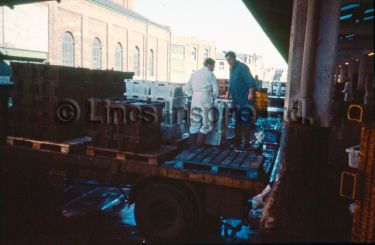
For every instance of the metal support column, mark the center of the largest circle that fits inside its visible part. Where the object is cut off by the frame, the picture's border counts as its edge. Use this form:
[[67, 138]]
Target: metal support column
[[305, 99], [296, 45], [362, 72]]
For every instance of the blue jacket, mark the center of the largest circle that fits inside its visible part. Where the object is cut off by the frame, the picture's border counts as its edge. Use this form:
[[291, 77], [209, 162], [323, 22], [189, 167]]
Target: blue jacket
[[240, 81]]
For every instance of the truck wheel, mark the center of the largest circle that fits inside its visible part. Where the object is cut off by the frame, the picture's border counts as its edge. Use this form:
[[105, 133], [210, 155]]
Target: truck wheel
[[164, 214]]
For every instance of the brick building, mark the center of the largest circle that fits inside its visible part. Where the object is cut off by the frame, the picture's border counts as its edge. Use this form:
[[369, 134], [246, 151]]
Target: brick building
[[188, 55], [98, 34]]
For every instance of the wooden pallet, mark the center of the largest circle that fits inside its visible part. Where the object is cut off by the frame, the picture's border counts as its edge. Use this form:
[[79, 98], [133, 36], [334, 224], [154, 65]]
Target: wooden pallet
[[155, 157], [72, 146], [222, 161]]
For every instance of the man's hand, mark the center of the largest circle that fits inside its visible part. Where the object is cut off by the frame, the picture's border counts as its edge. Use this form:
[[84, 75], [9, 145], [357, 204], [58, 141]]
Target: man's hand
[[250, 97], [227, 96]]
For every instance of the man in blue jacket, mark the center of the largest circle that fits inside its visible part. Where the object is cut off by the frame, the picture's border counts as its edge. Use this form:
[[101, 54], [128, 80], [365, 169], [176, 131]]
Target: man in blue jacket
[[242, 92]]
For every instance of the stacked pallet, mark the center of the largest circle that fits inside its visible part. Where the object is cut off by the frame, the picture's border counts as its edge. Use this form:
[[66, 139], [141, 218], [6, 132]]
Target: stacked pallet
[[125, 125], [363, 229], [50, 102], [107, 83]]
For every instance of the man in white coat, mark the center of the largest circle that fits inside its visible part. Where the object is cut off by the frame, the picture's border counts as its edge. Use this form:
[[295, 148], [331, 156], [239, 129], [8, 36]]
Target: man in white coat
[[203, 88]]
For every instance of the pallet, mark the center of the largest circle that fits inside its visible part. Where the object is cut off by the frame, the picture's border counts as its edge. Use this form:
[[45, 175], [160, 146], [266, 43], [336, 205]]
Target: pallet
[[155, 157], [221, 161], [67, 147]]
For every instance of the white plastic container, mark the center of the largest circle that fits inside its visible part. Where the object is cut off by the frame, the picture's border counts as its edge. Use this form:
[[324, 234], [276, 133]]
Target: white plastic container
[[165, 90], [353, 153], [138, 88]]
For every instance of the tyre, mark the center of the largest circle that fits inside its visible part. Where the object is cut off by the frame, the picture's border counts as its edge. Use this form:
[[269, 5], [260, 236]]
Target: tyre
[[164, 214]]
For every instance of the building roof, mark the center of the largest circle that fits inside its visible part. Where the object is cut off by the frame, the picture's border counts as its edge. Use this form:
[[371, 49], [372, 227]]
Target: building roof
[[121, 9], [275, 18], [356, 33]]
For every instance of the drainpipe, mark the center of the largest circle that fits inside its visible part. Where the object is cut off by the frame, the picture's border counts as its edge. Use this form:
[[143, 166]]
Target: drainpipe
[[305, 92]]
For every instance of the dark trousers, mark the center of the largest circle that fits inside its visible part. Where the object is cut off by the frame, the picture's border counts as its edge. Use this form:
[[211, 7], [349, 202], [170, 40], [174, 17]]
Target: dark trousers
[[244, 124], [242, 133]]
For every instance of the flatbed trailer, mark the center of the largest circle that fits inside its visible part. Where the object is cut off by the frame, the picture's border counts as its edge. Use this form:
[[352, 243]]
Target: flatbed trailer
[[170, 198]]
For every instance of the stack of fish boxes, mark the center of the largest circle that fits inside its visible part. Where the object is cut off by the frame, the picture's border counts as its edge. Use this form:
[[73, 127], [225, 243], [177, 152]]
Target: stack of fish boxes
[[175, 110]]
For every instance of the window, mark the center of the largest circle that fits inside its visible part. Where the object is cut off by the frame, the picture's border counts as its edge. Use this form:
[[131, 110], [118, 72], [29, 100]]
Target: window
[[96, 54], [136, 62], [118, 57], [194, 53], [221, 65], [178, 52], [151, 62], [68, 50], [206, 54]]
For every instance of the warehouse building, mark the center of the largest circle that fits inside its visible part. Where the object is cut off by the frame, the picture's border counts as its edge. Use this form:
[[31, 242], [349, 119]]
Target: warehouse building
[[98, 34]]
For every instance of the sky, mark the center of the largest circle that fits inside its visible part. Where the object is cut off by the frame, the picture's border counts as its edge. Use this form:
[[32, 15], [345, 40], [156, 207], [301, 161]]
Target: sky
[[227, 22]]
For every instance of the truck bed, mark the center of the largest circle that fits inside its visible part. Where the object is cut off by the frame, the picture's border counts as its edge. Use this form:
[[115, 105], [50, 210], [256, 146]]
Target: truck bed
[[109, 170]]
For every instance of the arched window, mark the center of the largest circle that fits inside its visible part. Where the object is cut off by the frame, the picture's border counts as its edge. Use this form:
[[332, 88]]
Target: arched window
[[150, 59], [206, 54], [136, 61], [96, 54], [194, 53], [68, 50], [118, 57]]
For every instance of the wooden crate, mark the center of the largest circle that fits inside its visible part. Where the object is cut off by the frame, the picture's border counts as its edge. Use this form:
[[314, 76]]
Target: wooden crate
[[363, 229]]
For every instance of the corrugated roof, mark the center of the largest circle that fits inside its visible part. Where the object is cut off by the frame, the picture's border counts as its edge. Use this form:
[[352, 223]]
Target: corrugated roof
[[121, 9], [275, 18]]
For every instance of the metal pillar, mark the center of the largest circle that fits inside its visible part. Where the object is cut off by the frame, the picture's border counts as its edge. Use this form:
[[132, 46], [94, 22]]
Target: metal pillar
[[325, 60], [352, 70], [337, 74], [343, 73], [308, 60], [306, 148], [362, 72], [296, 45]]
